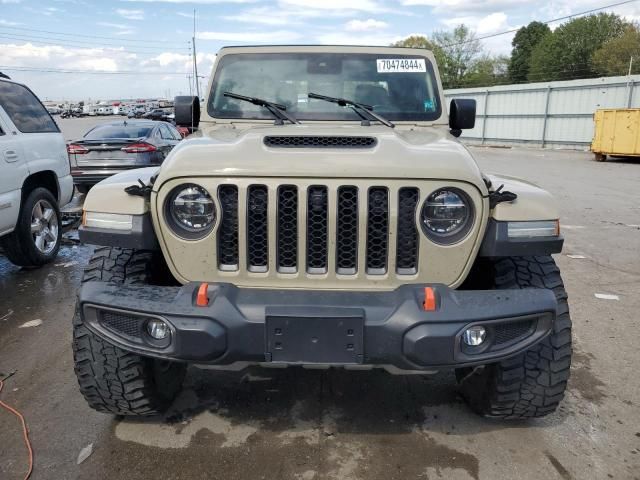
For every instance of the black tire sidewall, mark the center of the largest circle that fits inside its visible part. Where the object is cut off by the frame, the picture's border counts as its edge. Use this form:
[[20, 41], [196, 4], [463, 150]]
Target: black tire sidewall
[[32, 255]]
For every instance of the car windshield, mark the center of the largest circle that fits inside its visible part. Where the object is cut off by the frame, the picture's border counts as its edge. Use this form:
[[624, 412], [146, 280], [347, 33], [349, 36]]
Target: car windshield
[[399, 87], [120, 131]]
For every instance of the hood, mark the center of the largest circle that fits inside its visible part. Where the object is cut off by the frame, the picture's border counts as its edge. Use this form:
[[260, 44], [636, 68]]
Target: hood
[[227, 151]]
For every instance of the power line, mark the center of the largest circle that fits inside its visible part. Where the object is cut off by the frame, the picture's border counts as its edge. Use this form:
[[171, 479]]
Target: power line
[[88, 36], [79, 47], [559, 19], [83, 44], [10, 68]]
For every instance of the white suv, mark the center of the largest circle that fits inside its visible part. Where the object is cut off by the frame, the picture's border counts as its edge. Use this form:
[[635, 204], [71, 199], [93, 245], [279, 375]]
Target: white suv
[[35, 177]]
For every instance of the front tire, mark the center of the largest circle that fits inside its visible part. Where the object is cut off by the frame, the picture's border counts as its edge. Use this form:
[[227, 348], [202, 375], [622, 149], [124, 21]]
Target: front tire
[[113, 380], [532, 384], [38, 233]]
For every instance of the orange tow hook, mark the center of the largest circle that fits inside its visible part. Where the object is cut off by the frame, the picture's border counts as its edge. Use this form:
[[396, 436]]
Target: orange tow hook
[[202, 300], [429, 303]]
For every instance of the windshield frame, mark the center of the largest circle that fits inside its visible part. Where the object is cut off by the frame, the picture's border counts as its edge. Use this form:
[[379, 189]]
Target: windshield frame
[[436, 117]]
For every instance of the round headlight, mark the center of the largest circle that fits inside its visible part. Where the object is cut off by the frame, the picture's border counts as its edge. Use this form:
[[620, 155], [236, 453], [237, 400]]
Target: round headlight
[[191, 211], [447, 215]]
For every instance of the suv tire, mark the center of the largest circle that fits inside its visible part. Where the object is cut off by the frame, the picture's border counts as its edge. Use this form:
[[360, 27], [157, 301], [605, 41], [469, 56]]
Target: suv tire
[[531, 384], [113, 380], [28, 248]]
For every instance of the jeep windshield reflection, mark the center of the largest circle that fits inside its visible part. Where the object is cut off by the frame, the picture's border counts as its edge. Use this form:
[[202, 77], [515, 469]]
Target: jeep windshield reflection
[[400, 88]]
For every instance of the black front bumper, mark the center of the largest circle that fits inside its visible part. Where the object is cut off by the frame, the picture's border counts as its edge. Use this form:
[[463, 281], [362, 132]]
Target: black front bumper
[[320, 327]]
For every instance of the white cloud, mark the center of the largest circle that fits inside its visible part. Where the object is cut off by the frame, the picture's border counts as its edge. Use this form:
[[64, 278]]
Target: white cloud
[[466, 6], [130, 14], [3, 2], [359, 5], [7, 23], [117, 28], [264, 16], [48, 11], [340, 38], [278, 36], [364, 25], [492, 23], [157, 74], [200, 2]]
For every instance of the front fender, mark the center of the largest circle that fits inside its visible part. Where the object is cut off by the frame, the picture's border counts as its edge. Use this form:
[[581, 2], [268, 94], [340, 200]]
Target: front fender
[[109, 196], [533, 203]]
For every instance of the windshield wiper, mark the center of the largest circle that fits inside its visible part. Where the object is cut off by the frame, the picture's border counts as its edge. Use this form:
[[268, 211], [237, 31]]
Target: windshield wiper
[[365, 112], [277, 110]]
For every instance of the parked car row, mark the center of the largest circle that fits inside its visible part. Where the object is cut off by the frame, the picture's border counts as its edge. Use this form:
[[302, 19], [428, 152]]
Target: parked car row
[[38, 171]]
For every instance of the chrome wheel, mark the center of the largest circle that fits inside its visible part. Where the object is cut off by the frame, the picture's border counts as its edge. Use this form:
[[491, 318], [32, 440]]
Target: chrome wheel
[[44, 227]]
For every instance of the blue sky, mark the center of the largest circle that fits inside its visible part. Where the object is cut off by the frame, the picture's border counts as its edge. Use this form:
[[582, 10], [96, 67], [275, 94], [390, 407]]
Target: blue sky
[[144, 43]]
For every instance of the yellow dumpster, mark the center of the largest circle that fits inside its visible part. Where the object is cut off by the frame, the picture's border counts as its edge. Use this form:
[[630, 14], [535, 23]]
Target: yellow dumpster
[[617, 132]]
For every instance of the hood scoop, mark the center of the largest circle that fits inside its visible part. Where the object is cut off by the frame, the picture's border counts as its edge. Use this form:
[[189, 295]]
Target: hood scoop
[[315, 141]]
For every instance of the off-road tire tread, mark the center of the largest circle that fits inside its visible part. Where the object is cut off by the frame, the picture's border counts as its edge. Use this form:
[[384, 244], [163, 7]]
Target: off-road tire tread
[[531, 384], [113, 380]]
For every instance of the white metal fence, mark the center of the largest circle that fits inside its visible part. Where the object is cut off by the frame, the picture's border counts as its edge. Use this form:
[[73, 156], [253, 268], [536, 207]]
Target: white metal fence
[[556, 114]]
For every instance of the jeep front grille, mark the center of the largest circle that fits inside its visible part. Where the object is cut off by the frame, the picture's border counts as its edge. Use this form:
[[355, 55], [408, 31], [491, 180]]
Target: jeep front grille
[[228, 232], [257, 229], [368, 221], [347, 231], [287, 234], [408, 240]]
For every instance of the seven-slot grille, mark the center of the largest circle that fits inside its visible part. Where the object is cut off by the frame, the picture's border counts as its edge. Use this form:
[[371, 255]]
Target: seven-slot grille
[[301, 238]]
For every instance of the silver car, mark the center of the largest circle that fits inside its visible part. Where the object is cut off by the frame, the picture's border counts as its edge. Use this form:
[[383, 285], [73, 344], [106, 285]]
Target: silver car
[[111, 148]]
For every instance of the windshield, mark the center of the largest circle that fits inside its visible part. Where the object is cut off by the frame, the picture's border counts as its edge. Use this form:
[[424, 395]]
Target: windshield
[[400, 88], [111, 131]]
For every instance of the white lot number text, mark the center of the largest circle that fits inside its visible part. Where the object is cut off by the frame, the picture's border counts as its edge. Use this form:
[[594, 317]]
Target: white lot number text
[[392, 65]]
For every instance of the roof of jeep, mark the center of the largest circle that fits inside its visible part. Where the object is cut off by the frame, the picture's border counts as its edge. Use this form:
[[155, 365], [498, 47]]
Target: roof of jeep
[[312, 45], [324, 48]]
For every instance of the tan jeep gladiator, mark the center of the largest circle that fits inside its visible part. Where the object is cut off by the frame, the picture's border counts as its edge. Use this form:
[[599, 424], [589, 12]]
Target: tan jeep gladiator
[[323, 214]]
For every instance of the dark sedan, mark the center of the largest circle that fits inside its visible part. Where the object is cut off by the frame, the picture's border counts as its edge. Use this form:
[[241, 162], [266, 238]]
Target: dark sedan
[[111, 148], [157, 114]]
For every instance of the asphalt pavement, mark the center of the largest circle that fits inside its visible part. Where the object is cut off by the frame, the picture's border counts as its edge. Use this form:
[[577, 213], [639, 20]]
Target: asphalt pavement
[[311, 425]]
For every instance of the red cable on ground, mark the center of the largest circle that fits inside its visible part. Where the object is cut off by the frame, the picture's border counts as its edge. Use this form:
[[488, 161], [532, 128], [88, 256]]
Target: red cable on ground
[[25, 431]]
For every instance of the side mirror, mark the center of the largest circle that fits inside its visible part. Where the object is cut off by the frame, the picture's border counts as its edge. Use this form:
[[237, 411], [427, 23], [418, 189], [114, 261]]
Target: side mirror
[[462, 115], [187, 111]]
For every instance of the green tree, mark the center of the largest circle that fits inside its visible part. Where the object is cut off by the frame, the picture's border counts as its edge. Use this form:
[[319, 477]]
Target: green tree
[[566, 53], [525, 40], [614, 56], [419, 41], [487, 71], [415, 41], [456, 52], [460, 50]]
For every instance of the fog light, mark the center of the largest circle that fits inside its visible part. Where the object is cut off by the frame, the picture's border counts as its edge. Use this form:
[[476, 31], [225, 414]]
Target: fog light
[[474, 336], [157, 329]]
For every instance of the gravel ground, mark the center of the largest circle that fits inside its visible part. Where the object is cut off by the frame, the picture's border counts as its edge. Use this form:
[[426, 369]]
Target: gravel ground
[[301, 424]]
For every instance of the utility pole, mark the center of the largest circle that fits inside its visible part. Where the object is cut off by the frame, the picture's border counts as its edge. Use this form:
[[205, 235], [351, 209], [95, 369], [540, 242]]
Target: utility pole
[[195, 63]]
